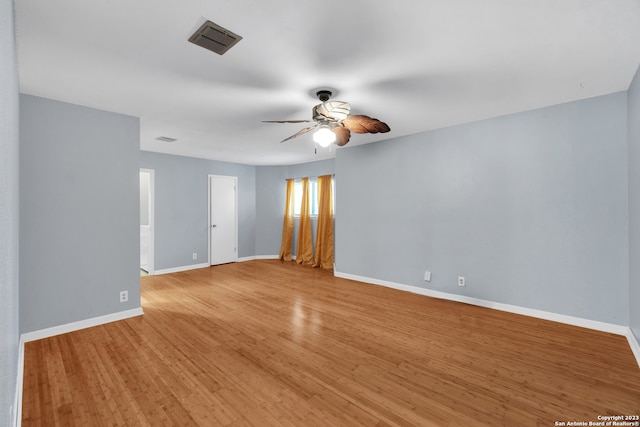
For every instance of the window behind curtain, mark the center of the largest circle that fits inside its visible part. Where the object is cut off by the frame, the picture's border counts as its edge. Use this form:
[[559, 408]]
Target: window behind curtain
[[313, 193]]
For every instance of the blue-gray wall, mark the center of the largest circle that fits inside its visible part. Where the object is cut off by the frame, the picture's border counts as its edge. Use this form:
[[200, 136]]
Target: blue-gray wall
[[270, 200], [9, 222], [79, 212], [531, 208], [180, 214], [633, 96], [181, 188]]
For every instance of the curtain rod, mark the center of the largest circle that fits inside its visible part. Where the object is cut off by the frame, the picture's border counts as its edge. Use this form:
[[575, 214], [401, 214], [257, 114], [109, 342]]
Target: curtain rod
[[312, 176]]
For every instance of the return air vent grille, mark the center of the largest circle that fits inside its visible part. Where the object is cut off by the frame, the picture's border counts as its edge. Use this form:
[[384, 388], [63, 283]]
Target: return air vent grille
[[214, 38]]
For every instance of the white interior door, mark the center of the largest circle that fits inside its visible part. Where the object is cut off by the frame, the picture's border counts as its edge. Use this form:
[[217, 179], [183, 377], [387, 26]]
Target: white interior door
[[223, 219]]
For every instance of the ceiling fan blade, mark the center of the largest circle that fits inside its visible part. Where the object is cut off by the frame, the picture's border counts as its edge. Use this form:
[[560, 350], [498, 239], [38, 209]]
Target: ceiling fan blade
[[300, 132], [286, 121], [332, 110], [342, 135], [365, 124]]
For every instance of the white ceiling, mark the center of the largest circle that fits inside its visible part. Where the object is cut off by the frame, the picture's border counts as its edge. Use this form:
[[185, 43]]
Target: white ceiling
[[416, 65]]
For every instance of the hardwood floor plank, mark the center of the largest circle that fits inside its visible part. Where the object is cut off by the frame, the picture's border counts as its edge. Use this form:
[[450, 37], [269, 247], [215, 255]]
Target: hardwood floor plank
[[264, 343]]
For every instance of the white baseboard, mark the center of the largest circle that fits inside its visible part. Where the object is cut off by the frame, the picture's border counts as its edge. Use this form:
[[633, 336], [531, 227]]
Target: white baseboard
[[205, 265], [17, 403], [555, 317], [253, 258], [634, 344], [82, 324], [179, 269], [57, 330]]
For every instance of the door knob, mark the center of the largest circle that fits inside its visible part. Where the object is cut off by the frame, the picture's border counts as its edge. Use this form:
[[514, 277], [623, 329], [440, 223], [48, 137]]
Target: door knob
[[213, 226]]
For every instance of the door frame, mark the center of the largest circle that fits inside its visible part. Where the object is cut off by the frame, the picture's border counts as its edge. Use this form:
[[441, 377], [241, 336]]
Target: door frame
[[235, 182], [152, 228]]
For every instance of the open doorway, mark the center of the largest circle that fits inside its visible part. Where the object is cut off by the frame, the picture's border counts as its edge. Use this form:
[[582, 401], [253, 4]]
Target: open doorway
[[146, 221]]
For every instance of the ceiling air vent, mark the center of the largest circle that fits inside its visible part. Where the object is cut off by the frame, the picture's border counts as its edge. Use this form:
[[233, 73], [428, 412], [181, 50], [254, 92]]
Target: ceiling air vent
[[165, 139], [215, 38]]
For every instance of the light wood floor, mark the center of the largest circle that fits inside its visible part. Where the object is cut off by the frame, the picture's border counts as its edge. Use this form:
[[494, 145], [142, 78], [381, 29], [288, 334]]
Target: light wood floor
[[263, 343]]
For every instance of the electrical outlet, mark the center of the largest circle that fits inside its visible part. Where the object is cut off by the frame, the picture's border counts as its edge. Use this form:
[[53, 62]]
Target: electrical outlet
[[461, 281], [194, 256], [124, 296], [427, 276]]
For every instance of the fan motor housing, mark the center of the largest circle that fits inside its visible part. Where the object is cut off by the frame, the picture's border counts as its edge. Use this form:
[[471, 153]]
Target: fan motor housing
[[323, 95]]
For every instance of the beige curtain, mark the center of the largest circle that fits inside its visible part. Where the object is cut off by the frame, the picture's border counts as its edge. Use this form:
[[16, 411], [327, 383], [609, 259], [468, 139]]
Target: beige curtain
[[304, 251], [324, 233], [287, 227]]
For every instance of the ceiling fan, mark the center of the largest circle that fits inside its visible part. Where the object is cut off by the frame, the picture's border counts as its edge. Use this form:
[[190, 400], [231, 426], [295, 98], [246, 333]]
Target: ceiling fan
[[333, 123]]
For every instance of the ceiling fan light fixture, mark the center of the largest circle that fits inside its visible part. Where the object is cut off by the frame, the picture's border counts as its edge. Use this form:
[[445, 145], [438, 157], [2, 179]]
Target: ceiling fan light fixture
[[324, 136]]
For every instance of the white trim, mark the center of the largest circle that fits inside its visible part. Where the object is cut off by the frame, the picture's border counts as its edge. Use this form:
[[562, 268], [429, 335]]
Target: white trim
[[255, 257], [634, 344], [17, 405], [183, 268], [555, 317], [82, 324], [251, 258]]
